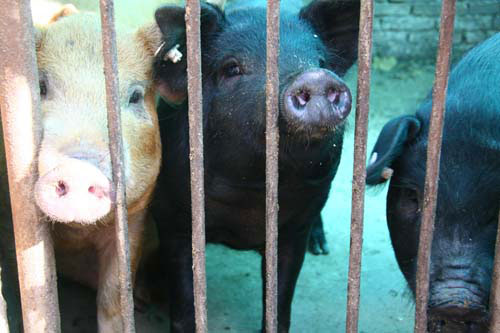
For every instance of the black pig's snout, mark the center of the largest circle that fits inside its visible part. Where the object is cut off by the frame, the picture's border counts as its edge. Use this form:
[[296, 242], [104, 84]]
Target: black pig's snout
[[453, 317], [317, 98], [457, 306]]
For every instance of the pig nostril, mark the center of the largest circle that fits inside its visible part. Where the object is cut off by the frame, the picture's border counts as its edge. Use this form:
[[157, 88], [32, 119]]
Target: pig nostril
[[61, 188], [301, 98], [333, 96], [97, 191]]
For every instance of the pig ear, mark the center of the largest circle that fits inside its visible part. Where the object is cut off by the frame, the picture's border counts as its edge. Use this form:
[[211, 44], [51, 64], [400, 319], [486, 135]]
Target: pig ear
[[218, 3], [170, 73], [150, 36], [65, 10], [389, 146], [337, 24]]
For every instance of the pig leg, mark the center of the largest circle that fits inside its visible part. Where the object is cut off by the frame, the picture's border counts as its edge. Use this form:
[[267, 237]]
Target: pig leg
[[291, 252], [317, 239], [180, 277], [108, 292]]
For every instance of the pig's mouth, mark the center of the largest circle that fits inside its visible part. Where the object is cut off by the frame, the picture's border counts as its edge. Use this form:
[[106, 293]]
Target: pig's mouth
[[457, 306], [306, 132], [458, 316], [438, 325], [74, 191]]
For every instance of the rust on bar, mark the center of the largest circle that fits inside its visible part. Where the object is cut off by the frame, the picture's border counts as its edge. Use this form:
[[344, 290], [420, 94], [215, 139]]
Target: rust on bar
[[272, 142], [432, 163], [20, 108], [196, 162], [495, 288], [359, 171], [116, 150]]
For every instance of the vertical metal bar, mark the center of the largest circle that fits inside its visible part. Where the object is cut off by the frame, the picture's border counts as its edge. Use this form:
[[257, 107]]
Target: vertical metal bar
[[432, 167], [272, 142], [20, 108], [495, 288], [359, 171], [196, 162], [116, 150]]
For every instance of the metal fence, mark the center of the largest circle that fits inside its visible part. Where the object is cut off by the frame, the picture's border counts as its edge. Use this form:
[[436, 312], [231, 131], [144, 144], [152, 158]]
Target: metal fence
[[19, 103]]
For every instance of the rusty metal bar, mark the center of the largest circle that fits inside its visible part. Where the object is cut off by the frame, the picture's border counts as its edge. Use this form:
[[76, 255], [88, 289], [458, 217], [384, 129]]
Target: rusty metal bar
[[196, 162], [20, 107], [495, 288], [432, 164], [117, 164], [359, 171], [272, 142]]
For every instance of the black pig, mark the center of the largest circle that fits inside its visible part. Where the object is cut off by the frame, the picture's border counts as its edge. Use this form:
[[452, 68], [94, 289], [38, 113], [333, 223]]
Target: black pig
[[318, 45], [468, 197]]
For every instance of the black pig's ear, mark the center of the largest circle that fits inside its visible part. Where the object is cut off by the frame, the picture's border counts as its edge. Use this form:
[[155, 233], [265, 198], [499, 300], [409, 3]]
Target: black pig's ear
[[337, 23], [170, 76], [389, 146]]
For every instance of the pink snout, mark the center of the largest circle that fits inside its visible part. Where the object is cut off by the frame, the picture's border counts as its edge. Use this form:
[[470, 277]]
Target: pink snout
[[74, 191]]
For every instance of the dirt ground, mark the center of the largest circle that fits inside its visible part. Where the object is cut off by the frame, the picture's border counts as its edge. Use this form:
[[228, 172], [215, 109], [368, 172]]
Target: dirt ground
[[233, 278]]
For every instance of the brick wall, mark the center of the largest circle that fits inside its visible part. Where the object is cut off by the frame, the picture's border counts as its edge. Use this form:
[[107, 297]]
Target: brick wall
[[408, 29]]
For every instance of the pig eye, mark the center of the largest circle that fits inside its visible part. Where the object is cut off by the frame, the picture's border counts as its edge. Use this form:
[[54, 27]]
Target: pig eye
[[137, 96], [231, 69], [43, 88], [322, 62]]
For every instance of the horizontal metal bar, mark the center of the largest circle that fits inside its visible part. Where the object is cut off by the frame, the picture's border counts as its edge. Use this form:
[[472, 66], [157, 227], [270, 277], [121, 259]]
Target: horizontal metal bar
[[432, 167], [359, 171], [117, 164], [20, 107]]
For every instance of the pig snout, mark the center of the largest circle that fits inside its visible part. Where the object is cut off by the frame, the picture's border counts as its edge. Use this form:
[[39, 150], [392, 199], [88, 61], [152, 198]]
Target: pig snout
[[317, 98], [458, 306], [74, 191]]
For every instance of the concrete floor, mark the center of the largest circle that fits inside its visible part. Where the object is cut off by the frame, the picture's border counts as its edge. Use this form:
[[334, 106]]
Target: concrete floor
[[233, 277]]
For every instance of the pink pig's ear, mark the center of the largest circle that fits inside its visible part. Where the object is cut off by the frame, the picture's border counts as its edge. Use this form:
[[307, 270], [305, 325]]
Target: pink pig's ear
[[65, 10]]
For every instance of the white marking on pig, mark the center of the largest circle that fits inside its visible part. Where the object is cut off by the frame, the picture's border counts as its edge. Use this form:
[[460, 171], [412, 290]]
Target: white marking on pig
[[373, 158]]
